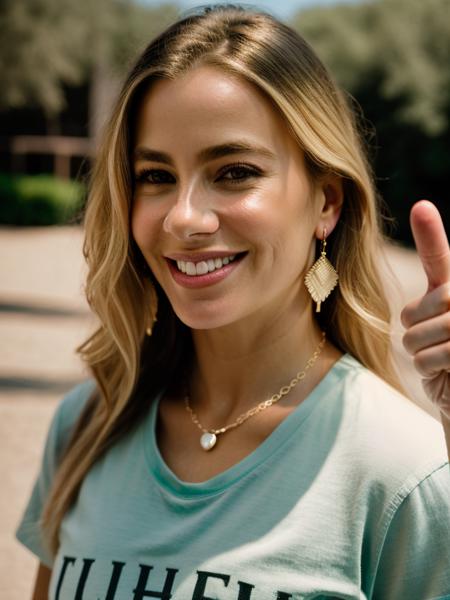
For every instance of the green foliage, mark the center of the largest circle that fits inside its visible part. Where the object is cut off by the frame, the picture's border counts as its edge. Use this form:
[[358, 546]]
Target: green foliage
[[136, 26], [39, 200], [45, 44], [402, 44], [393, 57], [42, 43]]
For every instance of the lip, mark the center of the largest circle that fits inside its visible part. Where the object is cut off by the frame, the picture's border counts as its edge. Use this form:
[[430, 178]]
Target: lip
[[196, 257], [198, 281]]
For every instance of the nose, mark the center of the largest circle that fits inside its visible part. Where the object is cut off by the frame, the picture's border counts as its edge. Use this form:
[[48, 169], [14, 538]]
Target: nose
[[191, 215]]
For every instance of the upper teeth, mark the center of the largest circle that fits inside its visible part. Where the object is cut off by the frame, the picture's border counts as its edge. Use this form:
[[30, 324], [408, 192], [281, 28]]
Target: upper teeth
[[204, 266]]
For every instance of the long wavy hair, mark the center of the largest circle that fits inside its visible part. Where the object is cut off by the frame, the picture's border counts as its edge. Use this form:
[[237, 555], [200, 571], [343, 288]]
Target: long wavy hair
[[129, 368]]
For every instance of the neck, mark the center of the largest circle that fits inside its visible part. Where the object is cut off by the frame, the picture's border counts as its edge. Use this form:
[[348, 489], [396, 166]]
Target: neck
[[240, 365]]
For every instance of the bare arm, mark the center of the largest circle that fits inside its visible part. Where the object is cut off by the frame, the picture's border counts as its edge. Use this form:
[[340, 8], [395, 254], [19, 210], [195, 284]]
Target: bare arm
[[42, 583]]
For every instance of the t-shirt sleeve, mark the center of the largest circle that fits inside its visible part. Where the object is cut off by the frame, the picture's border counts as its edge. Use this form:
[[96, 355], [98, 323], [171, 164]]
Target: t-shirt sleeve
[[415, 559], [29, 531]]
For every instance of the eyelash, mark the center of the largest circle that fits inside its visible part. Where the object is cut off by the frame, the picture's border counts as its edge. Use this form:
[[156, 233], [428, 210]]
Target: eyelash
[[247, 169], [142, 176]]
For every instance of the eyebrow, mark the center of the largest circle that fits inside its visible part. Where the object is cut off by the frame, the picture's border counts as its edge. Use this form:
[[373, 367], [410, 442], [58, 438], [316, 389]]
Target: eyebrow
[[210, 153]]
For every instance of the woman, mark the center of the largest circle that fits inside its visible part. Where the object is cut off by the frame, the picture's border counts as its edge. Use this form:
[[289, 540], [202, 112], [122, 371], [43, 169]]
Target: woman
[[242, 437]]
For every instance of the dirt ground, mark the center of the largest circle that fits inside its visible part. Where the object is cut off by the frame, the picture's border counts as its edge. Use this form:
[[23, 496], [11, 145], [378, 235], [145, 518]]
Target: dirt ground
[[43, 317]]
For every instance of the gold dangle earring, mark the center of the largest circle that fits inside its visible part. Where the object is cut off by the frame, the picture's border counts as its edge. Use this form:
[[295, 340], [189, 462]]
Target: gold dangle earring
[[322, 278], [153, 310]]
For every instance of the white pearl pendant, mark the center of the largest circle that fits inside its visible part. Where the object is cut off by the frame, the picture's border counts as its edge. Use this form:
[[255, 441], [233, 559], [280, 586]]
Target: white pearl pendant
[[208, 441]]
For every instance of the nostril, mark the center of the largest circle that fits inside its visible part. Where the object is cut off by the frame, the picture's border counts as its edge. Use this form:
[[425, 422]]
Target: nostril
[[184, 222]]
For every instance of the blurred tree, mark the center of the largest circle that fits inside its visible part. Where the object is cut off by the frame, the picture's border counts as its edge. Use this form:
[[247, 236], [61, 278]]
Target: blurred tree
[[45, 44], [403, 44], [115, 42], [42, 44], [393, 57]]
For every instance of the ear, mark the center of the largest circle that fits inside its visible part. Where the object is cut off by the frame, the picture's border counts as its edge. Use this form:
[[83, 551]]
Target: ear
[[332, 198]]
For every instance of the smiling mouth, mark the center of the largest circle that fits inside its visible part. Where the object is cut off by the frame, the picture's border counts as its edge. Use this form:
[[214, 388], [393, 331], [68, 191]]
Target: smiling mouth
[[205, 266]]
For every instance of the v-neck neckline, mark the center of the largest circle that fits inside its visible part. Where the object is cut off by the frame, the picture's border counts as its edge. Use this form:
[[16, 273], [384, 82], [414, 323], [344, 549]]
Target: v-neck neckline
[[172, 484]]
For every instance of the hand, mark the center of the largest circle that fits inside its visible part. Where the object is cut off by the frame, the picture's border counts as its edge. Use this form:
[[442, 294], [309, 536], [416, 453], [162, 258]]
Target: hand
[[427, 319]]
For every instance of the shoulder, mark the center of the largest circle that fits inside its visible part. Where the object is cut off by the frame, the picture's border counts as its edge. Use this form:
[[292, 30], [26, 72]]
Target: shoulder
[[29, 531], [68, 411], [392, 456], [415, 534], [72, 404], [390, 432]]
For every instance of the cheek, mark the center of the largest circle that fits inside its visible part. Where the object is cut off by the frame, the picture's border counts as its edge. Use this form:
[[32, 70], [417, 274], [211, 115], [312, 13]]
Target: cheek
[[144, 225], [259, 216], [282, 220]]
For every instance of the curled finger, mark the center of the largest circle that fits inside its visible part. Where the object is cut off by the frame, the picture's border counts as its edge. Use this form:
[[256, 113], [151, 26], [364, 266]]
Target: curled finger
[[431, 361], [427, 333], [434, 303], [437, 389]]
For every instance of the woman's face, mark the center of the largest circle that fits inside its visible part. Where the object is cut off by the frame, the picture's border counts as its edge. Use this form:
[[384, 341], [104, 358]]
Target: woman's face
[[219, 176]]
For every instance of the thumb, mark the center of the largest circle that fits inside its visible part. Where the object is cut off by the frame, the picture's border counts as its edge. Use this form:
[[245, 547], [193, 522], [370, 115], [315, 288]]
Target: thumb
[[431, 242]]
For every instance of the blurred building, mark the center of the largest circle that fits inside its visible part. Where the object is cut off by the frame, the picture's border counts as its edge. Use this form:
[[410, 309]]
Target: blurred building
[[32, 142]]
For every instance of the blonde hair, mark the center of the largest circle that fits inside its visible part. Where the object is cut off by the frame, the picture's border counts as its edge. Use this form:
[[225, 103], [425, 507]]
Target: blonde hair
[[120, 288]]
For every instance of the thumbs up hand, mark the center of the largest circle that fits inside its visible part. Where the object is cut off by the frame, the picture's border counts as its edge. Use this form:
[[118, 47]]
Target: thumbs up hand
[[427, 319]]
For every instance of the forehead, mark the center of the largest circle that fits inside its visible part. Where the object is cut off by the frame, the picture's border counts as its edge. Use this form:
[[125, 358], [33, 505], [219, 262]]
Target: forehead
[[205, 104]]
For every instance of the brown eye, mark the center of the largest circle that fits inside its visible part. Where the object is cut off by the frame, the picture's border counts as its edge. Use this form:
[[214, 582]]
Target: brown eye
[[154, 177], [239, 173]]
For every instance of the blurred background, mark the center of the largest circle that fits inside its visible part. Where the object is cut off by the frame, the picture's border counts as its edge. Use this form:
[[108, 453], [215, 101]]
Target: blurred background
[[62, 63]]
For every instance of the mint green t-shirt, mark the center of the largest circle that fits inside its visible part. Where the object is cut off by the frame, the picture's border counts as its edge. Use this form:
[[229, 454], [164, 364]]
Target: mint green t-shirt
[[349, 498]]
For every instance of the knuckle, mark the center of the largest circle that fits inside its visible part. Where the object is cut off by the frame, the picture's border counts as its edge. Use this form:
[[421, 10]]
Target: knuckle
[[407, 342], [444, 298], [405, 316], [446, 325], [419, 363]]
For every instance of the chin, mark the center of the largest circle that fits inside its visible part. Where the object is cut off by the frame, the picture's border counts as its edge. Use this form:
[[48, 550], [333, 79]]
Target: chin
[[202, 318], [202, 322]]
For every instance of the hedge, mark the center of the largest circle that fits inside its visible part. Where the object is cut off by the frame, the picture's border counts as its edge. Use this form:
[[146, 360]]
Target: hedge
[[39, 200]]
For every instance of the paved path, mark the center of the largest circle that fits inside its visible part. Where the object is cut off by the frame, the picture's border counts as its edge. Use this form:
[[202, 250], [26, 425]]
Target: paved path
[[43, 317]]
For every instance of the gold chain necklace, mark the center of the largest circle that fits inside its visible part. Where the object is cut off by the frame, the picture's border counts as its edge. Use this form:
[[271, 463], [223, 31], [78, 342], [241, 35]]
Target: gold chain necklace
[[209, 437]]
